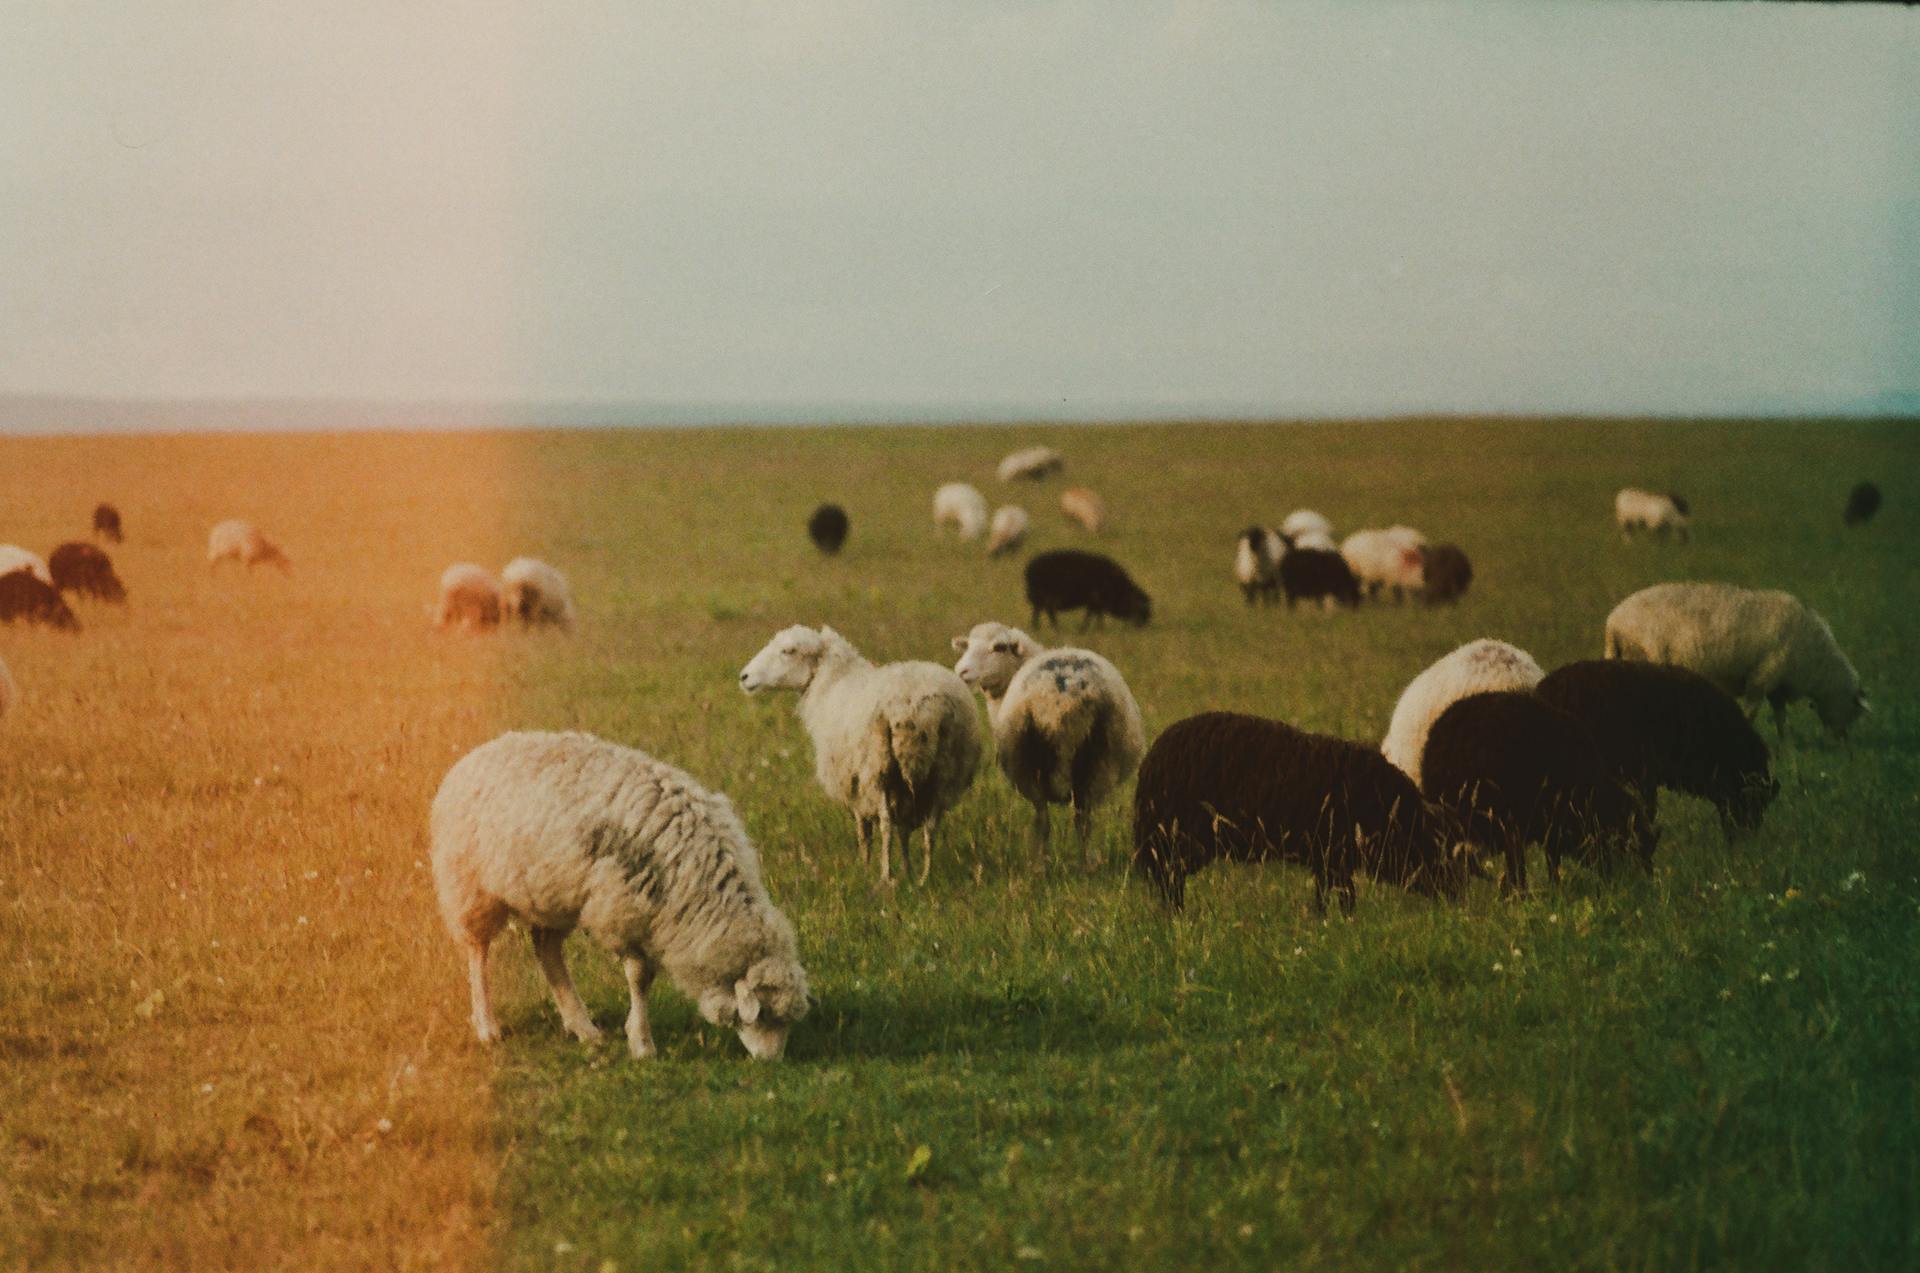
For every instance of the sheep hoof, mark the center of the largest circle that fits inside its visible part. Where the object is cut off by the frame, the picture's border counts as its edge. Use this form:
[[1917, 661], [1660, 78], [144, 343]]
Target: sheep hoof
[[642, 1051], [585, 1031], [486, 1032]]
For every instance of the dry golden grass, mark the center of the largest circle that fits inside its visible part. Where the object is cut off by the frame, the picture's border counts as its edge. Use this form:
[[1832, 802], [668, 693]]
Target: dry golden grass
[[227, 1039]]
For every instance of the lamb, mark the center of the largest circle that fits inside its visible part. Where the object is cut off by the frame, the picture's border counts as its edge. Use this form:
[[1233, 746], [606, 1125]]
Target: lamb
[[1033, 463], [1445, 571], [1386, 559], [1084, 508], [1516, 770], [1862, 503], [106, 522], [1474, 668], [1069, 579], [1225, 785], [25, 596], [560, 830], [1662, 515], [534, 593], [1668, 727], [962, 507], [1318, 574], [1302, 523], [1009, 530], [13, 557], [897, 745], [1066, 728], [240, 541], [1256, 563], [469, 598], [8, 693], [1754, 645], [82, 568], [827, 528]]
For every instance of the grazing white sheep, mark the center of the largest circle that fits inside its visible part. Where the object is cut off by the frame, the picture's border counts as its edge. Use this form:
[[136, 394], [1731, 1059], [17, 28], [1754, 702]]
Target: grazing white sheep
[[1085, 508], [13, 557], [563, 830], [534, 592], [1387, 559], [8, 692], [1319, 540], [240, 541], [1304, 521], [1752, 644], [1034, 462], [1256, 563], [1478, 667], [897, 744], [962, 507], [1065, 725], [1009, 529], [469, 598], [1662, 515]]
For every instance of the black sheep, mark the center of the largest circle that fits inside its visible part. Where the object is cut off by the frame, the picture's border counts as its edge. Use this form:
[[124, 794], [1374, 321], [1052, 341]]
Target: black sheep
[[1447, 572], [82, 568], [828, 528], [1515, 770], [1680, 502], [1862, 504], [1070, 579], [1314, 573], [1669, 727], [25, 597], [106, 522], [1224, 785]]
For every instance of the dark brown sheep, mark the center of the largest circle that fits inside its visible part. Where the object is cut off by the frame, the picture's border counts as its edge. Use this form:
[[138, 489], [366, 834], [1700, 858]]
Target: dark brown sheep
[[106, 522], [82, 568], [1447, 572], [1069, 579], [23, 596]]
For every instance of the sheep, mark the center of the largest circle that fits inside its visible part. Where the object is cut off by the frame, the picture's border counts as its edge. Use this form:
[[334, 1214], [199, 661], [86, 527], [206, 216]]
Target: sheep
[[961, 506], [897, 745], [24, 596], [1225, 785], [1445, 572], [1315, 539], [1009, 529], [1668, 727], [240, 541], [106, 522], [1514, 769], [82, 568], [1033, 463], [8, 691], [1637, 510], [1305, 522], [1066, 728], [13, 557], [1256, 563], [560, 830], [1084, 508], [534, 593], [1385, 559], [1318, 574], [1862, 503], [827, 528], [469, 598], [1069, 579], [1754, 645], [1474, 668]]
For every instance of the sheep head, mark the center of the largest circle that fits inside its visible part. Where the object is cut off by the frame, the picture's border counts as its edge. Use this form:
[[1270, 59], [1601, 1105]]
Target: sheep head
[[990, 654], [761, 1006], [789, 661]]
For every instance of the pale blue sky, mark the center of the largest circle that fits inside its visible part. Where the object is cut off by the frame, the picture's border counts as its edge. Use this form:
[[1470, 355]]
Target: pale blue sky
[[1034, 208]]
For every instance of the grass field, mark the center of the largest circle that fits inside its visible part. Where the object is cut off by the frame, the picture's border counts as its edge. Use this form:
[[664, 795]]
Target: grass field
[[1024, 1062]]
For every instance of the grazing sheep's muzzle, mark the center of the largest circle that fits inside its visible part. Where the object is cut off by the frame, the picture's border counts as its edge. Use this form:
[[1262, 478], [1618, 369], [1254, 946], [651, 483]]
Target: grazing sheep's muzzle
[[764, 1043]]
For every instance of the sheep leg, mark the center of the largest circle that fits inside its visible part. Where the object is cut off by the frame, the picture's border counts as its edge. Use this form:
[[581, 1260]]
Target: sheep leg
[[862, 828], [639, 1033], [1083, 825], [485, 1028], [549, 946], [886, 847], [926, 850], [1778, 698]]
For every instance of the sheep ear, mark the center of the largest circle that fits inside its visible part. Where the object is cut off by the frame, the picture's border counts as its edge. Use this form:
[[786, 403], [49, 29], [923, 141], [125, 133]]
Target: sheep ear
[[717, 1006], [960, 644], [747, 1004]]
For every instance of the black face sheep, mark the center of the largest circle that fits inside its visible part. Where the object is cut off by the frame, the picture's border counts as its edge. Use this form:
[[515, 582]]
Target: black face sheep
[[1447, 572], [1517, 770], [28, 598], [1256, 563], [1223, 785], [1069, 579], [827, 528], [1318, 574], [1668, 727], [84, 569], [536, 594], [106, 522], [1862, 504]]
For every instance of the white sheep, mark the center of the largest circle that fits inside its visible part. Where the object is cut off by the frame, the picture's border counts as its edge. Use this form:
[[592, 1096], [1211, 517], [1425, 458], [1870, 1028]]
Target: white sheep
[[534, 592], [13, 557], [1034, 462], [8, 692], [563, 830], [241, 541], [896, 744], [1009, 529], [962, 507], [1065, 726], [1316, 539], [1256, 562], [1636, 510], [1478, 667], [469, 598], [1304, 521], [1084, 507], [1387, 559], [1752, 644]]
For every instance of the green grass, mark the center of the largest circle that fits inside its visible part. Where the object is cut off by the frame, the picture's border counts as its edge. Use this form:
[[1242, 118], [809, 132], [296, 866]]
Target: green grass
[[1026, 1062]]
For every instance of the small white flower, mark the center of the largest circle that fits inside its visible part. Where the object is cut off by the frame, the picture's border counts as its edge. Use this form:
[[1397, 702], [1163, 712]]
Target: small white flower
[[301, 920], [1554, 918], [1766, 979], [1499, 968], [384, 1125]]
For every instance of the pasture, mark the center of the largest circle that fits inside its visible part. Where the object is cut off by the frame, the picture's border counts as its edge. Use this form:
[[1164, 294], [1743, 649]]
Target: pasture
[[233, 1031]]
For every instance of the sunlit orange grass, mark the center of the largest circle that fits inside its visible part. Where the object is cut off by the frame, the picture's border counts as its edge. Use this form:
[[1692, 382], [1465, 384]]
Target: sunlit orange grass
[[231, 1033]]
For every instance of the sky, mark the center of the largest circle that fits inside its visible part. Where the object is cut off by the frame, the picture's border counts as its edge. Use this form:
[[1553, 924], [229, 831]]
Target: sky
[[833, 209]]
